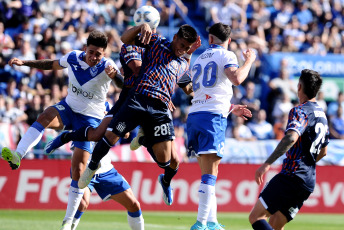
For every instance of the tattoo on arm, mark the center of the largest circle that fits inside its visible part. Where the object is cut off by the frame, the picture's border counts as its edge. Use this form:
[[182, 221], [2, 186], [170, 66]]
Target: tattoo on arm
[[45, 64], [285, 144]]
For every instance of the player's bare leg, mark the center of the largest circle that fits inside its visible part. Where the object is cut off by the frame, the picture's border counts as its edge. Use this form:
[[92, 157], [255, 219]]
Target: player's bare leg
[[258, 217], [75, 194], [50, 118], [128, 200], [278, 221]]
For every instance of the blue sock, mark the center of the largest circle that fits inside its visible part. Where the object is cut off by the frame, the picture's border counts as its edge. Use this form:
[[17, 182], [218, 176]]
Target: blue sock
[[208, 179], [261, 225], [135, 214], [78, 214]]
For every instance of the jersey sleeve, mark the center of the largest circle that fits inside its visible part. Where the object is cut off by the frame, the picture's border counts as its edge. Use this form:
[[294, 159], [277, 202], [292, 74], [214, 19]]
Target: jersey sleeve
[[153, 40], [129, 53], [64, 60], [184, 80], [230, 60], [297, 121]]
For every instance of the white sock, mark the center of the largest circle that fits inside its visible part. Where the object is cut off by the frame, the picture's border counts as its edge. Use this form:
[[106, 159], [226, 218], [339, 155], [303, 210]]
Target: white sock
[[212, 217], [76, 219], [74, 197], [205, 194], [75, 223], [30, 139], [136, 222]]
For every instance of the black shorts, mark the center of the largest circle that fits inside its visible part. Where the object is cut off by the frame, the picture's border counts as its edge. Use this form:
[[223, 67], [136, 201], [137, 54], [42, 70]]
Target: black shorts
[[150, 113], [285, 194], [121, 100]]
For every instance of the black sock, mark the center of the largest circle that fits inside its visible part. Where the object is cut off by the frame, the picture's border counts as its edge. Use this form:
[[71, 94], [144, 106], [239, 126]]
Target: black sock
[[261, 225], [77, 135], [100, 150], [169, 174]]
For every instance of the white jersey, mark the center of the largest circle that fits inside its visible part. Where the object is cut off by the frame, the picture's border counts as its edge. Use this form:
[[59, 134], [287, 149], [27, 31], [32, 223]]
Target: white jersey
[[212, 89], [87, 86]]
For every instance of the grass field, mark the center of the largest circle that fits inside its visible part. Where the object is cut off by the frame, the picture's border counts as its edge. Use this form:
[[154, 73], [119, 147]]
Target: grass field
[[117, 220]]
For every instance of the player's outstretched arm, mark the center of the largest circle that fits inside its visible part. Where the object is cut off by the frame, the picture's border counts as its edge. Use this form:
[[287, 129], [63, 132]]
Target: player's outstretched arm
[[129, 36], [238, 75], [45, 64], [285, 144]]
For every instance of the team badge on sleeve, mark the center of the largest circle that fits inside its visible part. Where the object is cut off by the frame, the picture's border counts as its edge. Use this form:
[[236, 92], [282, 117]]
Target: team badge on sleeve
[[129, 48]]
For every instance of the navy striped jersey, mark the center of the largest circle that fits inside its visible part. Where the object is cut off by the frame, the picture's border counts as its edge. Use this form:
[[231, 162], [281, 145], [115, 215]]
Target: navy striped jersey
[[129, 53], [310, 122], [160, 70]]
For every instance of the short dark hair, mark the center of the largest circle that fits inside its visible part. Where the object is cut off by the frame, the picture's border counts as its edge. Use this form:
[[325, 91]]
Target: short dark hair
[[311, 82], [221, 31], [188, 33], [98, 39]]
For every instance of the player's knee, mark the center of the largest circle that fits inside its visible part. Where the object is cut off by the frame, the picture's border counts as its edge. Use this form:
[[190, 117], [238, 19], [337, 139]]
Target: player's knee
[[174, 162], [163, 164], [134, 206]]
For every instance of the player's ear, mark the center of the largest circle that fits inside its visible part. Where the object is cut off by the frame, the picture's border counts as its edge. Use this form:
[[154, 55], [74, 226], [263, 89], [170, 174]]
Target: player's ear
[[229, 41]]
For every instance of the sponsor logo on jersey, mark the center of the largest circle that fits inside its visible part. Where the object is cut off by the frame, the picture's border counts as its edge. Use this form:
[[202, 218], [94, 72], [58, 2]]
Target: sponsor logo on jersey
[[79, 91], [93, 71], [121, 126], [206, 55]]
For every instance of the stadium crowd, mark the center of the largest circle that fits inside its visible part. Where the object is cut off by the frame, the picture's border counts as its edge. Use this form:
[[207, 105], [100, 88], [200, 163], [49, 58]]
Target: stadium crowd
[[40, 29]]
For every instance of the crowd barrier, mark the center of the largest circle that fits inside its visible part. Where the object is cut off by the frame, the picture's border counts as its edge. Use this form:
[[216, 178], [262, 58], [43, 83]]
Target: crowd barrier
[[43, 184]]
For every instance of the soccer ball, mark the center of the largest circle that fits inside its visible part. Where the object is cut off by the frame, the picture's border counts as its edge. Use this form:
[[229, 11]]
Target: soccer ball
[[147, 14]]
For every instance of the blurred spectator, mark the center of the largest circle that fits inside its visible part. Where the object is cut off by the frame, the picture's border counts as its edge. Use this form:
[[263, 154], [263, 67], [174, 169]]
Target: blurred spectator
[[283, 84], [226, 11], [317, 48], [303, 14], [34, 109], [249, 99], [284, 15], [6, 42], [11, 90], [38, 19], [12, 114], [5, 70], [321, 101], [333, 106], [260, 128], [337, 124], [51, 10], [280, 125], [294, 30], [2, 106], [241, 132], [332, 39], [282, 106]]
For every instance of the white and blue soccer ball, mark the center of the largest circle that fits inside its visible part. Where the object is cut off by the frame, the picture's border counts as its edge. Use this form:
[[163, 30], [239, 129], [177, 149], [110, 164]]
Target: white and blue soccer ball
[[147, 14]]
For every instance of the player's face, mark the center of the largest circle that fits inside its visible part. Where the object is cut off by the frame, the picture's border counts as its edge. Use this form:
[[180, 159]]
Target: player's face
[[93, 55], [180, 46]]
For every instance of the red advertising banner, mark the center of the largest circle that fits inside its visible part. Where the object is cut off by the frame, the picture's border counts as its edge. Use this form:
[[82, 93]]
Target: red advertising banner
[[44, 184]]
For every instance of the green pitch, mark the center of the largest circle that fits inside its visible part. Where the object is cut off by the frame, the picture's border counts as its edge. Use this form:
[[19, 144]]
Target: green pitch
[[117, 220]]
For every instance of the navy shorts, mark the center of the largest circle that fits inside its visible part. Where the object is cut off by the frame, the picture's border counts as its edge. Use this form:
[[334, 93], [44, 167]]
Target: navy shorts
[[150, 113], [285, 194], [117, 106]]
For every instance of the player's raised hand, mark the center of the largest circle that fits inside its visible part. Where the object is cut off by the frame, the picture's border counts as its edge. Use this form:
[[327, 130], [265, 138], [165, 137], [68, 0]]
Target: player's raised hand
[[15, 61], [195, 46], [249, 55], [241, 111], [110, 71], [146, 33], [260, 173]]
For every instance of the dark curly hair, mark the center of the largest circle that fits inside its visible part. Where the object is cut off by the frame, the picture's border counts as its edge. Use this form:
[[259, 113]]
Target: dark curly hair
[[311, 82], [188, 33], [98, 39]]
